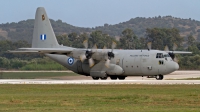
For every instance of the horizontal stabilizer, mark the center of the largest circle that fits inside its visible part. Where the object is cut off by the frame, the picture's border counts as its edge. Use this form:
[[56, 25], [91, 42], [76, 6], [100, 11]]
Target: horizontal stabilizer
[[48, 50], [43, 50]]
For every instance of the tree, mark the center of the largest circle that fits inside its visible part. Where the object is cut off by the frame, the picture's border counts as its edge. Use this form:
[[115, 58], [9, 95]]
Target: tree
[[191, 40], [100, 39], [129, 40], [64, 40], [160, 37]]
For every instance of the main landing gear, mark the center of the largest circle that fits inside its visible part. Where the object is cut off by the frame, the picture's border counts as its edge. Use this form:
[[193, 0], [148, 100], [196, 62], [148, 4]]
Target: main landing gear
[[158, 77], [114, 77], [97, 78]]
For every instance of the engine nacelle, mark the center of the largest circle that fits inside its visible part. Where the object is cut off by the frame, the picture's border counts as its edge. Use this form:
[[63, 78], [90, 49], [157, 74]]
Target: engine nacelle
[[114, 70]]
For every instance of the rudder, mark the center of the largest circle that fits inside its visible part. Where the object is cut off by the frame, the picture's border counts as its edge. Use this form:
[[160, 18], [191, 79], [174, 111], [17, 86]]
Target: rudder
[[43, 34]]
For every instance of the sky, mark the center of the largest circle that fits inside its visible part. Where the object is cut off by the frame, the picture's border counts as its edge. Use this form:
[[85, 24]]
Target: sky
[[92, 13]]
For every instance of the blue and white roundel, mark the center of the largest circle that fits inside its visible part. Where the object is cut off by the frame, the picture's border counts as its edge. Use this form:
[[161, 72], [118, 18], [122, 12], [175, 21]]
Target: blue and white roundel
[[70, 61]]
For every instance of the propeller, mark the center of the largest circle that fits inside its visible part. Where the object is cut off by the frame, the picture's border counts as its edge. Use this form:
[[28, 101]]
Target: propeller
[[149, 45], [110, 55], [88, 53], [171, 54]]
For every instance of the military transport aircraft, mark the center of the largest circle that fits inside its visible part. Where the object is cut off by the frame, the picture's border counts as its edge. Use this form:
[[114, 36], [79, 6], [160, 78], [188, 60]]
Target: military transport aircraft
[[99, 63]]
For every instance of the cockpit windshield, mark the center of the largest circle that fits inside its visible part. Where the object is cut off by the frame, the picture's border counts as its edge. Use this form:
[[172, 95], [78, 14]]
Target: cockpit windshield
[[159, 55], [166, 55]]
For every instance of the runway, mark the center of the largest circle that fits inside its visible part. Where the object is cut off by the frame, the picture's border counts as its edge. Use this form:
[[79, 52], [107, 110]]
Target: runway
[[47, 81], [168, 79]]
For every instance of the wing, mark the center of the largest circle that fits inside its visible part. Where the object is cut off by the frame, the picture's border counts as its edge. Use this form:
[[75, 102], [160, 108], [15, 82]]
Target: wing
[[179, 52]]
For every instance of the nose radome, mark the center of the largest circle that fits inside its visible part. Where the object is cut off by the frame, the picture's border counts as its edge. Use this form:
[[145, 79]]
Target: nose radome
[[176, 66]]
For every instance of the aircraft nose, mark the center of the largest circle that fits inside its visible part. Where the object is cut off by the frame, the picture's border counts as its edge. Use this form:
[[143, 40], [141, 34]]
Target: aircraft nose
[[176, 66]]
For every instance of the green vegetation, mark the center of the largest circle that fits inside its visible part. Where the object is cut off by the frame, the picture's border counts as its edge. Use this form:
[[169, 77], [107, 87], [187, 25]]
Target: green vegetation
[[100, 98], [33, 75], [32, 64]]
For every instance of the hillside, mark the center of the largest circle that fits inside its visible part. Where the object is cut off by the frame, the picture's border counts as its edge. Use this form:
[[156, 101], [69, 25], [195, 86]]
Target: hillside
[[23, 29]]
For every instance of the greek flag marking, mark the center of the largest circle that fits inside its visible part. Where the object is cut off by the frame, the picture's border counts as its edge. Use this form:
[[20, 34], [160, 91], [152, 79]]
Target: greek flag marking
[[43, 37]]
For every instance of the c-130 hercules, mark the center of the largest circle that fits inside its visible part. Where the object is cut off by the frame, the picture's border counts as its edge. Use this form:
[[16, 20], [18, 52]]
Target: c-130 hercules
[[99, 63]]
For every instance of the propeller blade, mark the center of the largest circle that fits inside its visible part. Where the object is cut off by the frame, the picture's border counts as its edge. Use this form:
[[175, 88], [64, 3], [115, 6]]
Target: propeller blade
[[104, 47], [174, 47], [82, 57], [104, 50], [166, 48], [94, 48], [85, 43], [91, 62], [149, 45], [107, 63], [176, 60], [113, 45]]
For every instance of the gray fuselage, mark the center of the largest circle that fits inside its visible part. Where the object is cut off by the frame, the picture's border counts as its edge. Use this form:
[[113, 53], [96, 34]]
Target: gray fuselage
[[133, 62]]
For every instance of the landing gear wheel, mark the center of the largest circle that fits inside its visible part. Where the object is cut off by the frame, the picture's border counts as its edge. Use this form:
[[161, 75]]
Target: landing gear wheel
[[95, 78], [103, 78], [121, 77], [113, 77], [159, 77]]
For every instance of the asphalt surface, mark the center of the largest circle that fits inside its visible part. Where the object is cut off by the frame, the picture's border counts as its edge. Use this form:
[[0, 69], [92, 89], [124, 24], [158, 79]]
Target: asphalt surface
[[49, 81], [168, 79], [174, 75]]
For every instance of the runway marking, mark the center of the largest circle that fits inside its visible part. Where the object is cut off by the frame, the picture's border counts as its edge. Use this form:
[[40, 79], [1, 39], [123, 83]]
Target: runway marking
[[46, 81]]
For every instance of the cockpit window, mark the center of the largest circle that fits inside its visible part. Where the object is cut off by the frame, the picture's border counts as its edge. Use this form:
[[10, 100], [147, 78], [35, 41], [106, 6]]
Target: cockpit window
[[159, 55], [166, 55]]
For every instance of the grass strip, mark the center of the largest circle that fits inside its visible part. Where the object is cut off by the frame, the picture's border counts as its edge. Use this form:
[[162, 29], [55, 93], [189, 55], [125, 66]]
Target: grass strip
[[100, 98], [33, 75]]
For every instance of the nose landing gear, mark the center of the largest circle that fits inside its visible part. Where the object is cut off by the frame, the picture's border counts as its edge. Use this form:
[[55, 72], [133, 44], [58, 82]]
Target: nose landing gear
[[159, 77]]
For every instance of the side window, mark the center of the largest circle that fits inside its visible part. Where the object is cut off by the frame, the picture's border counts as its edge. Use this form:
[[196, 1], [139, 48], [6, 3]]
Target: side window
[[159, 55], [161, 62]]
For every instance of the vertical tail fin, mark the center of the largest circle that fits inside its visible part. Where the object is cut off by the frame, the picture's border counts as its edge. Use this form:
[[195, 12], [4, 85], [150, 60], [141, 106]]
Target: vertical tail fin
[[43, 34]]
